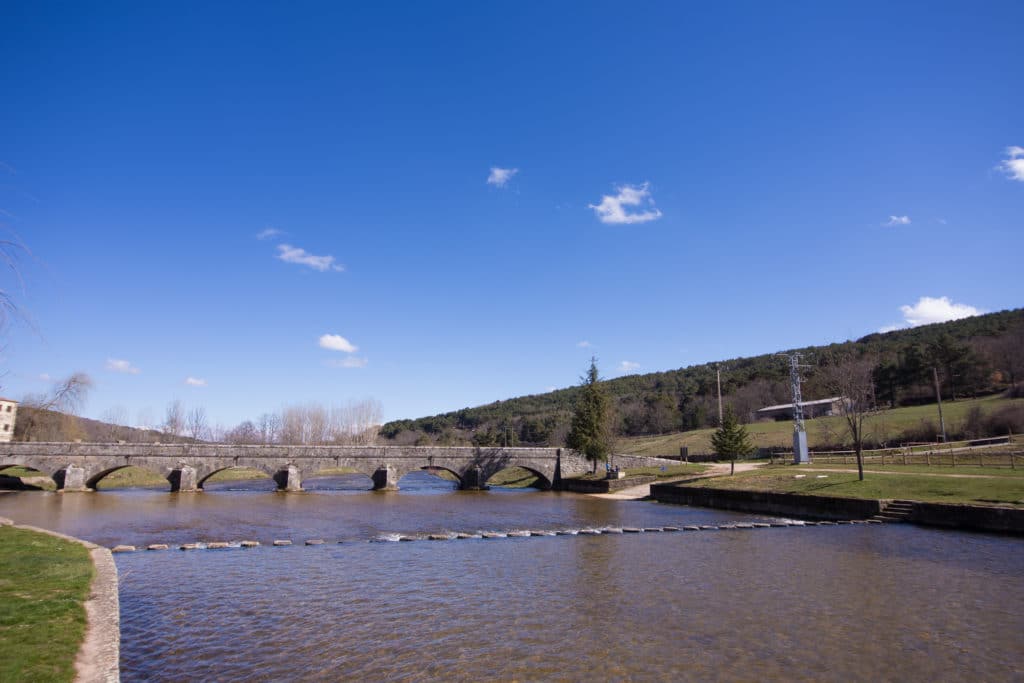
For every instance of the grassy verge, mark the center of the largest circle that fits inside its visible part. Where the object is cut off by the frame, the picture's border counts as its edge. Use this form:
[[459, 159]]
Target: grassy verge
[[43, 583], [928, 469], [885, 425], [1002, 490], [514, 478], [666, 473]]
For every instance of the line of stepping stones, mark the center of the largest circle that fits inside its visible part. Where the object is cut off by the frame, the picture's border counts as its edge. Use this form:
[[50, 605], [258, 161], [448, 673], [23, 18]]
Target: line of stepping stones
[[510, 534]]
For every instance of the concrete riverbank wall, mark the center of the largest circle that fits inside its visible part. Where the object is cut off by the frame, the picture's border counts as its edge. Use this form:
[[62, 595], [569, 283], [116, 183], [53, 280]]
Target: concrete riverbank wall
[[968, 517], [763, 502], [99, 656]]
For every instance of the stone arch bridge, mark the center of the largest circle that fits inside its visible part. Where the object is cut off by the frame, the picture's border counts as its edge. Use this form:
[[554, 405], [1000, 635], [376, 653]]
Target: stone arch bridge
[[79, 466]]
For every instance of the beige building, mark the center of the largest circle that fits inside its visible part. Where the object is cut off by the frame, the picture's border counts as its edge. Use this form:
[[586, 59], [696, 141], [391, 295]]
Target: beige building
[[8, 412]]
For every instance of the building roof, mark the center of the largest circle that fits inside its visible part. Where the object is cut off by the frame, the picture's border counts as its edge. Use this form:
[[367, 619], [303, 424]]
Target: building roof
[[8, 400], [820, 401]]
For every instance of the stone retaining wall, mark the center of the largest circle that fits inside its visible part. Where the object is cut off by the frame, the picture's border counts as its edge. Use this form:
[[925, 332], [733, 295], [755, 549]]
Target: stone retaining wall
[[99, 656], [976, 517], [785, 504], [605, 485], [627, 461]]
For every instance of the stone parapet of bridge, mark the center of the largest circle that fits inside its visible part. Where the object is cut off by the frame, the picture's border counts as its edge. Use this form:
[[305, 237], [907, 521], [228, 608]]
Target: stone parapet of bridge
[[80, 466]]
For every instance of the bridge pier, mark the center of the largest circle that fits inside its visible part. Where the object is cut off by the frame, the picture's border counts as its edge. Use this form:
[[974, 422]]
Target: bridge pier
[[288, 479], [184, 480], [71, 478], [384, 479], [473, 480]]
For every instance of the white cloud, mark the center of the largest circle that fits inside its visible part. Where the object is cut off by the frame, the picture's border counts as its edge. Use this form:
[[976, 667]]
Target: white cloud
[[1013, 165], [118, 365], [897, 220], [335, 342], [613, 209], [550, 389], [499, 177], [350, 362], [290, 254], [929, 310], [584, 344], [628, 366], [268, 233], [45, 377], [195, 381]]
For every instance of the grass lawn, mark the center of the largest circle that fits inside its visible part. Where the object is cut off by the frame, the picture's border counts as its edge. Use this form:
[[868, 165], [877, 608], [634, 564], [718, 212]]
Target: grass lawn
[[43, 582], [927, 469], [782, 479], [514, 478], [887, 424]]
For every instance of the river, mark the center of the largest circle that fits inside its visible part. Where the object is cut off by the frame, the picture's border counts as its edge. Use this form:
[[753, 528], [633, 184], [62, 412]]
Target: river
[[813, 603]]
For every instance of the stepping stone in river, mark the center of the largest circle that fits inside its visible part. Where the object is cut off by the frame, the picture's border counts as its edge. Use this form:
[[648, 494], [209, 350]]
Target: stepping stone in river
[[708, 527], [282, 542], [542, 533], [315, 541], [612, 530], [725, 526], [631, 530], [189, 546], [493, 534], [826, 523], [566, 532], [518, 534], [250, 544], [589, 532], [670, 528], [780, 524], [691, 528], [761, 525], [123, 549], [218, 545], [461, 535], [402, 538], [156, 546], [651, 529], [437, 537]]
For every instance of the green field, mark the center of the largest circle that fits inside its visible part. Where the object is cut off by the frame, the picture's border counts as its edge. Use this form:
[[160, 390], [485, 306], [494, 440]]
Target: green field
[[885, 425], [44, 581], [783, 479]]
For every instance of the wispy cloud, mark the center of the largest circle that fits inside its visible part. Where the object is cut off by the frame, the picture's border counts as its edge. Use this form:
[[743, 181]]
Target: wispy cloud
[[1013, 164], [930, 310], [195, 381], [335, 342], [350, 362], [628, 366], [120, 365], [290, 254], [584, 344], [499, 177], [612, 208], [269, 233], [897, 220]]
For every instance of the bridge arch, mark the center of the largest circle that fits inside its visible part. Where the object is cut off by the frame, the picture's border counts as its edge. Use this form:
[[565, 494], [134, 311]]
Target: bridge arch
[[437, 471], [518, 476], [259, 472], [93, 480]]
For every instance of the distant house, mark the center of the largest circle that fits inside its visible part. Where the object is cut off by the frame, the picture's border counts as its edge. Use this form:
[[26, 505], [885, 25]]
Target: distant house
[[8, 412], [819, 408]]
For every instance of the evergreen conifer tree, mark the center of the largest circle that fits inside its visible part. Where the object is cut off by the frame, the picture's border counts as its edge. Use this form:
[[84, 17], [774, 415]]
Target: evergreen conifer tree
[[590, 433], [731, 439]]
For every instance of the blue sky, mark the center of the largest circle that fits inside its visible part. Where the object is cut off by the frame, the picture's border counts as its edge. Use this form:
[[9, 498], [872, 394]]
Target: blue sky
[[676, 183]]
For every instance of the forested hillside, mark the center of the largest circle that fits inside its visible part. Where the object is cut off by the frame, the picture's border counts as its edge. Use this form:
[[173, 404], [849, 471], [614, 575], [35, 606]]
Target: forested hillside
[[974, 356]]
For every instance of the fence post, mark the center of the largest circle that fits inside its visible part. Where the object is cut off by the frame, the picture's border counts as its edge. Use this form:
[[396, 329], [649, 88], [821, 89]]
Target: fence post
[[928, 457]]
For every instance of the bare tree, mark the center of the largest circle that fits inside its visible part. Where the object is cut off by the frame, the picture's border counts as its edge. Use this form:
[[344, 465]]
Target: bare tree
[[851, 378], [244, 433], [53, 415], [270, 427], [116, 421], [196, 424], [174, 419]]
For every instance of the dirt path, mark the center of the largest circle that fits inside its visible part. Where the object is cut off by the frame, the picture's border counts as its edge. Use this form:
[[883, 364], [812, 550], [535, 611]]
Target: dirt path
[[644, 490]]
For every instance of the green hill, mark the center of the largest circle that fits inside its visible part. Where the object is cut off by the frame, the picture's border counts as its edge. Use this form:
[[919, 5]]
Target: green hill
[[977, 356]]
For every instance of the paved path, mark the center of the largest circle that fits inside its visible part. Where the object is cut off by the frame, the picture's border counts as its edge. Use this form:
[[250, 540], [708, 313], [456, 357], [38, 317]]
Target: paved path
[[644, 490], [804, 468]]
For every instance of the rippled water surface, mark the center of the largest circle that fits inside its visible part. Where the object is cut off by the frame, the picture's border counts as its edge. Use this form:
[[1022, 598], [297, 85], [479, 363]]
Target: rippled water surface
[[816, 603]]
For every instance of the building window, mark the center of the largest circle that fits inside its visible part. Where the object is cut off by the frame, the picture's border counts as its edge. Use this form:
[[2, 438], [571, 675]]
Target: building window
[[8, 409], [7, 428]]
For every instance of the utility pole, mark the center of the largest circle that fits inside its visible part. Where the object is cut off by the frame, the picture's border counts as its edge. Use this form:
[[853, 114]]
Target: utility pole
[[718, 374], [938, 398], [800, 455]]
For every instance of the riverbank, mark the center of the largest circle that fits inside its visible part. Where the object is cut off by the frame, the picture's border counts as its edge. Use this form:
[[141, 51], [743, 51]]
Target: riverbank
[[983, 503], [59, 614]]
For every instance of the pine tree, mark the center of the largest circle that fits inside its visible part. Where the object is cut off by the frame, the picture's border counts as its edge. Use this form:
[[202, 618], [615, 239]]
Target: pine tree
[[590, 433], [731, 439]]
